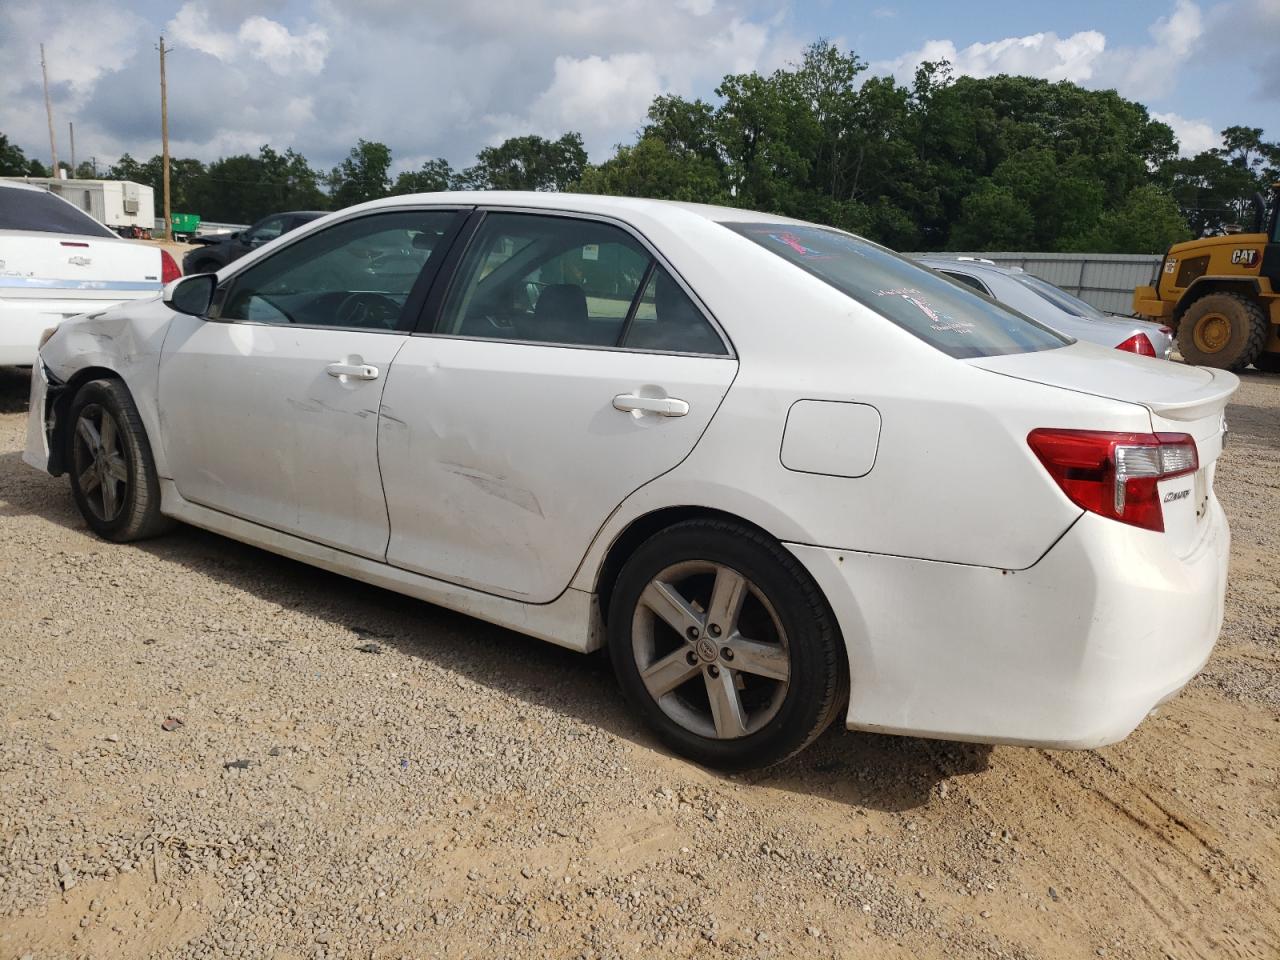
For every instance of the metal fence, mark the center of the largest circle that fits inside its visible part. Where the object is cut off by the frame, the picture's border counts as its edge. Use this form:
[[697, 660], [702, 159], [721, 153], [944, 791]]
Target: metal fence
[[1105, 280]]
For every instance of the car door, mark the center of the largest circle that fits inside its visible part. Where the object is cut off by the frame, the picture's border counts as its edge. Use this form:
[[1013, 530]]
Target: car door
[[565, 367], [270, 405]]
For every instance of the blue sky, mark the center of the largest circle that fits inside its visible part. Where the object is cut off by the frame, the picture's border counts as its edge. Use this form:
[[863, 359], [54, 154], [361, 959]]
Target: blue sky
[[445, 78]]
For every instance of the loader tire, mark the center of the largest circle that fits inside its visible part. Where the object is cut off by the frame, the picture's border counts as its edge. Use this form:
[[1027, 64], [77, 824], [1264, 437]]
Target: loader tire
[[1268, 362], [1223, 330]]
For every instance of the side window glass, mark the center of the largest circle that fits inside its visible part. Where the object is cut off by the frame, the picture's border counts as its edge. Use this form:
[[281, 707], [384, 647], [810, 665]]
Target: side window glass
[[666, 319], [546, 280], [354, 274]]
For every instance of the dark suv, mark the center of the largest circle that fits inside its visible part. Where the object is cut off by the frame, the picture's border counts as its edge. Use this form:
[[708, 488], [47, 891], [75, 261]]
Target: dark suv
[[217, 251]]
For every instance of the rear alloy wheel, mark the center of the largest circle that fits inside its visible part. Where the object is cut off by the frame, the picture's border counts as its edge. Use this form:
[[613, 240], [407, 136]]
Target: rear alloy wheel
[[1223, 330], [113, 476], [720, 638]]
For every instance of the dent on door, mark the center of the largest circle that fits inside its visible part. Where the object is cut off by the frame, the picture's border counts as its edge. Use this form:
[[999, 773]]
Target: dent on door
[[501, 461]]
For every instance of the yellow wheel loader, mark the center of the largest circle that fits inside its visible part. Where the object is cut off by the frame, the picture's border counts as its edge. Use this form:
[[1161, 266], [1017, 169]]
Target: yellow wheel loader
[[1222, 294]]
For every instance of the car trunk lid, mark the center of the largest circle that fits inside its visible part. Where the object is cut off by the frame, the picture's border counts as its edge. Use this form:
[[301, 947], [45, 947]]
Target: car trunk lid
[[36, 265], [1178, 398]]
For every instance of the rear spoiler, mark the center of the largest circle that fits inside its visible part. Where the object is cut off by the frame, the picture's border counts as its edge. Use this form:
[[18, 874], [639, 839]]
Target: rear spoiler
[[1204, 401]]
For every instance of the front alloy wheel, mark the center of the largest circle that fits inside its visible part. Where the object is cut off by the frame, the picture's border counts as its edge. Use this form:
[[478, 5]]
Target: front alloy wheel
[[98, 458], [113, 473]]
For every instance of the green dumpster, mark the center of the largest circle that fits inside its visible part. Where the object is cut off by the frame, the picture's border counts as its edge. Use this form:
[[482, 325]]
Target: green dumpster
[[183, 225]]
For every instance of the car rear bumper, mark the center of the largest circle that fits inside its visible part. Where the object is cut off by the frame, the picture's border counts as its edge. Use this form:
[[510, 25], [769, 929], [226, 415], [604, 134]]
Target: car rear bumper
[[1072, 652]]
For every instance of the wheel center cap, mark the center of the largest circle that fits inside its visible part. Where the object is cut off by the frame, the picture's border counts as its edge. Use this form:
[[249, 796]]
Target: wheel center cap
[[706, 650]]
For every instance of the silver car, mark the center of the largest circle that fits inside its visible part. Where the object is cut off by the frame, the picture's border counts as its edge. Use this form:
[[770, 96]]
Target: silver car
[[1054, 307]]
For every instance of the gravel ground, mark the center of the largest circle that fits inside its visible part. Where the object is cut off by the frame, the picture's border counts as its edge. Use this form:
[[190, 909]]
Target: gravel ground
[[467, 792]]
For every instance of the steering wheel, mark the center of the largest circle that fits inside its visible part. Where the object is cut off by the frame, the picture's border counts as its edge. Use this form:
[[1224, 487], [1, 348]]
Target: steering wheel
[[367, 309]]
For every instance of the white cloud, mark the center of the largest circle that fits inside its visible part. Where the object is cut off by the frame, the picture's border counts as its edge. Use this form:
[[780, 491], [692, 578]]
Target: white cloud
[[1038, 55], [1194, 136], [257, 37], [282, 51], [1148, 72], [593, 92], [605, 97], [1083, 57], [82, 52]]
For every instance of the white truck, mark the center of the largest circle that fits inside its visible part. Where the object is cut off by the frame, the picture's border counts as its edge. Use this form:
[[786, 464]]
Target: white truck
[[125, 207]]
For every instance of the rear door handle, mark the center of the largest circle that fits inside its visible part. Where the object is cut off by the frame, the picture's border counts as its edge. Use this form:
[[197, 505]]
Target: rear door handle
[[353, 371], [662, 406]]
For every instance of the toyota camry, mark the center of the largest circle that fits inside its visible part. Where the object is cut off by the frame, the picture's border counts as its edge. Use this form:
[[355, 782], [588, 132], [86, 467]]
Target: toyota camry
[[781, 473]]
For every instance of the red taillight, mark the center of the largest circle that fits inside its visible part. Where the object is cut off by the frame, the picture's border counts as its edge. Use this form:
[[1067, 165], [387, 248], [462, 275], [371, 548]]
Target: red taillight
[[1138, 344], [169, 269], [1116, 475]]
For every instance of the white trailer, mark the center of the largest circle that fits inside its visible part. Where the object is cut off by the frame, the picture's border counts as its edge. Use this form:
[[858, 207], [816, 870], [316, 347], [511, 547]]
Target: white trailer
[[126, 207]]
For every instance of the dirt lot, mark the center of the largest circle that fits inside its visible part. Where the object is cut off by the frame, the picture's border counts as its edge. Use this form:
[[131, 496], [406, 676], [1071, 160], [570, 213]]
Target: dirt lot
[[468, 792]]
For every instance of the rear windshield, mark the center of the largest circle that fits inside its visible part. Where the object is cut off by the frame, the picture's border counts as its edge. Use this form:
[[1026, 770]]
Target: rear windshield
[[1060, 298], [38, 210], [946, 315]]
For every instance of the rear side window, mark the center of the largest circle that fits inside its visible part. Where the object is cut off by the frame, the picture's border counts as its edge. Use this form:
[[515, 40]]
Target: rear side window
[[38, 210], [971, 282], [1060, 298], [943, 314], [571, 282]]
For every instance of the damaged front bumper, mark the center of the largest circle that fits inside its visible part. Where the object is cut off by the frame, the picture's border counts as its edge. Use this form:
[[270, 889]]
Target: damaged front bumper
[[42, 415]]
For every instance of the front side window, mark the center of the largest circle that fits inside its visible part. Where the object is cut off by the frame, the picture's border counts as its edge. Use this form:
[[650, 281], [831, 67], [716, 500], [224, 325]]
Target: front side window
[[568, 281], [357, 273], [943, 314], [37, 210]]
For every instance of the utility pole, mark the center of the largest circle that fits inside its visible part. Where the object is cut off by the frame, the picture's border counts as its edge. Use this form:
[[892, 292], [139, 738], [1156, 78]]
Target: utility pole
[[72, 128], [164, 139], [48, 109]]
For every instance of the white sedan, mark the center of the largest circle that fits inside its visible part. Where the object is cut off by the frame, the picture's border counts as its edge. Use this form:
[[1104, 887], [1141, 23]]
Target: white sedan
[[782, 473], [57, 261], [1068, 314]]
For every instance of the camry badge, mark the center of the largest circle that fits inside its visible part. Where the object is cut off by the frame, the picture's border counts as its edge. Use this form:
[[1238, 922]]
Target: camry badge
[[79, 261]]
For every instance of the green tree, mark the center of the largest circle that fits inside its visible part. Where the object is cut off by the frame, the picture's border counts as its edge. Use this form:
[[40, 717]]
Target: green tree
[[1148, 221], [432, 177], [653, 168], [363, 175], [993, 218], [13, 162], [528, 163]]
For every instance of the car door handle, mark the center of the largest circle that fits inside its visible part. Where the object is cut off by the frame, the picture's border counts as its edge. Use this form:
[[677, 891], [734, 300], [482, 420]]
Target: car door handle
[[662, 406], [355, 371]]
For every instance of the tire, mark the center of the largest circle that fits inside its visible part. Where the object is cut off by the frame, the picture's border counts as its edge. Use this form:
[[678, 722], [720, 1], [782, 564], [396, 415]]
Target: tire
[[1223, 330], [669, 676], [113, 475], [1268, 362]]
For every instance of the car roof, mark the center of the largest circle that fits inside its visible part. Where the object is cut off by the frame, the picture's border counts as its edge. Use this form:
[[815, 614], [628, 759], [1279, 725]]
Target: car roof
[[970, 263], [582, 203], [23, 186]]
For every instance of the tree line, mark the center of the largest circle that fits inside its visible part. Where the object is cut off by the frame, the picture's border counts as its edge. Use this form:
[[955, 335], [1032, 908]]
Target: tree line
[[942, 163]]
